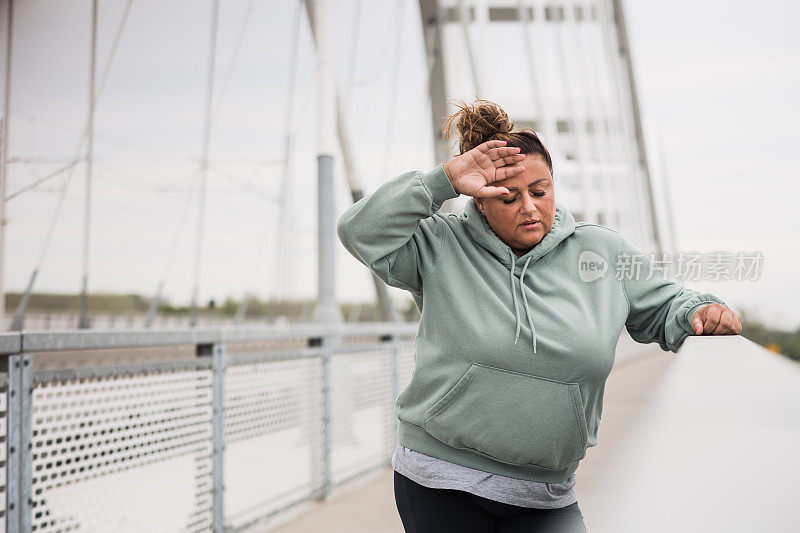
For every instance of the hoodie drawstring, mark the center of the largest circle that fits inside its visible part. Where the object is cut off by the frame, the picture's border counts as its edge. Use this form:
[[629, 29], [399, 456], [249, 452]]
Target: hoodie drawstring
[[524, 299], [514, 293]]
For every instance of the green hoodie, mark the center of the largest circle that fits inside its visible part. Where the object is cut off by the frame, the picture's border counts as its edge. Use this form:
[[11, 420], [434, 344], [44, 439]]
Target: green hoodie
[[512, 353]]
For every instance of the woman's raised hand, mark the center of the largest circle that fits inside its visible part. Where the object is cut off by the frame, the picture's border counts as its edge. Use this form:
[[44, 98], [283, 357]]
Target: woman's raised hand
[[473, 172]]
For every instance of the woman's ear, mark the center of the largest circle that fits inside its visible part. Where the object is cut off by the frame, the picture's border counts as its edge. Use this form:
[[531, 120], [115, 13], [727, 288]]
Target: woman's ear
[[479, 203]]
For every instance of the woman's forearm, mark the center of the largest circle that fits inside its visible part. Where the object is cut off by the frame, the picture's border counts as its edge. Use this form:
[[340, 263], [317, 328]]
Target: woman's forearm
[[393, 231]]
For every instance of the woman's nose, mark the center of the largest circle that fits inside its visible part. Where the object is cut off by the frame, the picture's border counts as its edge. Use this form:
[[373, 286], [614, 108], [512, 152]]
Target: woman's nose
[[528, 206]]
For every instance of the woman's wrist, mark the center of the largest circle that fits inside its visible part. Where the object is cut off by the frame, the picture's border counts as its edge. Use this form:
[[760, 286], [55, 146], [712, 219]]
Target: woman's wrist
[[447, 173]]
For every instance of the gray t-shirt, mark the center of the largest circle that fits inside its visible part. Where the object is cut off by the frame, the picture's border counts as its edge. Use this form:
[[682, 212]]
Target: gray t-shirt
[[439, 474]]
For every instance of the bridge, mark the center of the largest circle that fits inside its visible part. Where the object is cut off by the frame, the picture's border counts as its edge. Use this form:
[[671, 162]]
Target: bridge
[[154, 423]]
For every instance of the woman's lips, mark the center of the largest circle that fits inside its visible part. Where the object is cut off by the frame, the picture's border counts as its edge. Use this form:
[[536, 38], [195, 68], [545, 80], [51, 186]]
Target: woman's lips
[[532, 225]]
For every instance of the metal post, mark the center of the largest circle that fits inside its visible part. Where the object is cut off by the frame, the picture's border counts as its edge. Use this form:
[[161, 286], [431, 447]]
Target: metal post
[[575, 116], [585, 30], [353, 178], [327, 309], [154, 303], [83, 318], [13, 411], [322, 461], [219, 365], [432, 32], [282, 257], [18, 321], [4, 154], [545, 121], [395, 355], [463, 15], [624, 53], [313, 423], [201, 201], [19, 443]]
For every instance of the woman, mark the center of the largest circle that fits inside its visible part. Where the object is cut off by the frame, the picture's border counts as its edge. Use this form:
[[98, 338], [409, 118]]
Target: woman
[[491, 430]]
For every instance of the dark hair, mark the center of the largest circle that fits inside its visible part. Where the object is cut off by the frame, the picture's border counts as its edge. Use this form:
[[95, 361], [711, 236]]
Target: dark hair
[[486, 121]]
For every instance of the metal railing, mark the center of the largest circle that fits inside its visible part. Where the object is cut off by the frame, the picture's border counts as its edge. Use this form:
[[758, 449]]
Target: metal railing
[[227, 428]]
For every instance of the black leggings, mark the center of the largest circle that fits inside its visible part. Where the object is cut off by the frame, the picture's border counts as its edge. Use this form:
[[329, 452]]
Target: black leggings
[[426, 510]]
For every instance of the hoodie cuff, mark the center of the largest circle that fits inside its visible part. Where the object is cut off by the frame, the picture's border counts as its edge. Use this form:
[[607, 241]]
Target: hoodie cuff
[[695, 303], [438, 186]]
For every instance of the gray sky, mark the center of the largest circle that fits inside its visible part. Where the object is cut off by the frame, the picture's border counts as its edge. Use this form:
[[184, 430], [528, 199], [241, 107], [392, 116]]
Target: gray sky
[[717, 81]]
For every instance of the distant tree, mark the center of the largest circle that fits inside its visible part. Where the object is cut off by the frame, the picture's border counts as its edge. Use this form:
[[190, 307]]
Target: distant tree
[[230, 306], [786, 342]]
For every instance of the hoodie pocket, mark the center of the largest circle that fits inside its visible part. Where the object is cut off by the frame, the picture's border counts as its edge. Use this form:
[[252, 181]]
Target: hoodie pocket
[[511, 417]]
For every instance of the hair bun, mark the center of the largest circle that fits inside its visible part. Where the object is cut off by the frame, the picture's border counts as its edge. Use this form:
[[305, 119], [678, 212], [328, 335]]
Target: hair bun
[[477, 123]]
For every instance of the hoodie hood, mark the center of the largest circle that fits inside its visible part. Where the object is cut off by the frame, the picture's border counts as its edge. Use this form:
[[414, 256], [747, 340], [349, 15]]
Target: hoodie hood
[[480, 231]]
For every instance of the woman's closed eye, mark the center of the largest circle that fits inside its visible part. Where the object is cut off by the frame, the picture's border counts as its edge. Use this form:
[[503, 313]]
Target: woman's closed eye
[[512, 200]]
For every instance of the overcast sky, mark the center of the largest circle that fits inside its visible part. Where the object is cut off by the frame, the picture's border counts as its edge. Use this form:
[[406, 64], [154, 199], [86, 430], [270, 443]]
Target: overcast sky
[[717, 82]]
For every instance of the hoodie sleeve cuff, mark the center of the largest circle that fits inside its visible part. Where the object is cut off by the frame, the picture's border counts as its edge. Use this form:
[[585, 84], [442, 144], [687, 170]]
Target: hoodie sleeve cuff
[[695, 303], [438, 186]]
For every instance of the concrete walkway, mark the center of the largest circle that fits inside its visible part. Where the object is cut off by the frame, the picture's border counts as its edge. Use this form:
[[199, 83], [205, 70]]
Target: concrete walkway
[[715, 448]]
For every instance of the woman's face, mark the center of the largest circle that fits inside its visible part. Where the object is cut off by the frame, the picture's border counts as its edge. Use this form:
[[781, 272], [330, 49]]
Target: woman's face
[[532, 198]]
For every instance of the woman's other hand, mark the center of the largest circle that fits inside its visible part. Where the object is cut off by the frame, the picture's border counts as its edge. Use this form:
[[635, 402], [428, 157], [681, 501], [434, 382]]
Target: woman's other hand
[[473, 172], [716, 319]]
